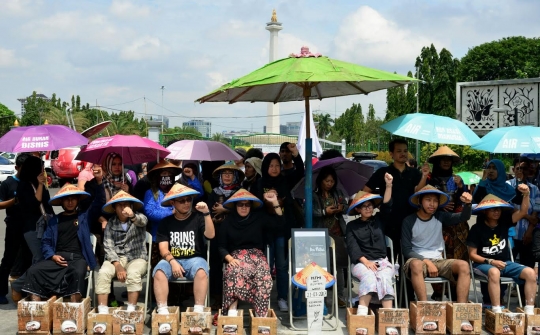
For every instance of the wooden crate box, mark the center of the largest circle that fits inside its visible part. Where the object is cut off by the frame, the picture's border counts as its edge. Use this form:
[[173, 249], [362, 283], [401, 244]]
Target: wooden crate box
[[173, 318], [459, 312], [425, 311], [495, 321], [189, 319], [238, 321], [41, 311], [77, 312], [394, 317], [531, 320], [122, 317], [94, 318], [269, 321], [360, 321]]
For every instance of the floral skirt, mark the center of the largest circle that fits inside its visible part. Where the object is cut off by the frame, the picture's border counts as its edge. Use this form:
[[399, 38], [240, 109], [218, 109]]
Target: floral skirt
[[378, 283], [251, 281]]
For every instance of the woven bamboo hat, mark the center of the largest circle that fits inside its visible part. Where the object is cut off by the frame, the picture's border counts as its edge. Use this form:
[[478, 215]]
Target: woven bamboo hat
[[122, 196], [428, 189], [444, 151], [66, 191]]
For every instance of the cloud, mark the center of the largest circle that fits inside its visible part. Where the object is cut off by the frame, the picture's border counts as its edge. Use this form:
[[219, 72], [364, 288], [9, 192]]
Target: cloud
[[144, 48], [366, 37], [126, 9], [8, 59], [215, 80]]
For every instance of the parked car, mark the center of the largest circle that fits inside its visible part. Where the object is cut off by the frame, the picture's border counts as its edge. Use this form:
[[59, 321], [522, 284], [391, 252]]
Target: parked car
[[9, 155], [376, 164], [7, 168]]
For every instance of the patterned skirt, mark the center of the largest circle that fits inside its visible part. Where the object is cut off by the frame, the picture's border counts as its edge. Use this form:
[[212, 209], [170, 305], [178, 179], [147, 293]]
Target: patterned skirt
[[251, 281], [379, 283]]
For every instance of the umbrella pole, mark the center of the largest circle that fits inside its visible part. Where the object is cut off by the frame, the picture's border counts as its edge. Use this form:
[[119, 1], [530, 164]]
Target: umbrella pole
[[308, 204]]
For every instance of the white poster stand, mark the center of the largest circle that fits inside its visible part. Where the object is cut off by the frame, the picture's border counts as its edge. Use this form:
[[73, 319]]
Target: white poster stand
[[315, 295]]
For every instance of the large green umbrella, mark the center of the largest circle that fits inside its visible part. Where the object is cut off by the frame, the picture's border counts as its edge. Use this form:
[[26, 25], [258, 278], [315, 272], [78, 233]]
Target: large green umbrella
[[305, 76]]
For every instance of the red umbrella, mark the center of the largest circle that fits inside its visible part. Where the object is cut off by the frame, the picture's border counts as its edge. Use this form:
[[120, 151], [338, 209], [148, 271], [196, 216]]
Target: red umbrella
[[133, 149]]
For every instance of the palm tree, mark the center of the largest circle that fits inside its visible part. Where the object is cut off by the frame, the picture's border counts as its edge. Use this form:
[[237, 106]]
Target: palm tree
[[324, 125]]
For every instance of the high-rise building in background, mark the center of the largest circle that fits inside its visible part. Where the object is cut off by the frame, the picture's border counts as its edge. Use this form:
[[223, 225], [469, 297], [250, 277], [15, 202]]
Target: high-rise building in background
[[203, 127], [23, 101]]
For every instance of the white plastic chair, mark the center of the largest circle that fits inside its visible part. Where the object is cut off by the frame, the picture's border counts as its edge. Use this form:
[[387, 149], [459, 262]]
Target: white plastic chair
[[351, 278]]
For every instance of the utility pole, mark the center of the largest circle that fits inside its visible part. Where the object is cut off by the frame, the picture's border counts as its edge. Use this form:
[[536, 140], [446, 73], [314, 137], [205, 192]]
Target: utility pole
[[417, 110], [162, 118]]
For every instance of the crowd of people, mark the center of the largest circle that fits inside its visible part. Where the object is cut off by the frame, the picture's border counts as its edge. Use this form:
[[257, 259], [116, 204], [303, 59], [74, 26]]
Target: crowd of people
[[245, 205]]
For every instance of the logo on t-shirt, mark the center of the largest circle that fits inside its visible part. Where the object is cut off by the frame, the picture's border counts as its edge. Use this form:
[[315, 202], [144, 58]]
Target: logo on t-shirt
[[497, 246], [182, 243]]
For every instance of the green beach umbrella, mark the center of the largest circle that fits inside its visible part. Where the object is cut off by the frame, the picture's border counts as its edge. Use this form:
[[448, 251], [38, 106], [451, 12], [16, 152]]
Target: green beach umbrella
[[469, 177], [304, 77]]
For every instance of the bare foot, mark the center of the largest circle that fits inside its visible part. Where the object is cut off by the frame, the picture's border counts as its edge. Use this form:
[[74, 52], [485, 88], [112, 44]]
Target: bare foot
[[391, 331], [430, 325], [466, 326], [100, 328], [127, 329], [536, 328], [195, 330], [33, 325], [361, 331], [506, 329], [164, 328]]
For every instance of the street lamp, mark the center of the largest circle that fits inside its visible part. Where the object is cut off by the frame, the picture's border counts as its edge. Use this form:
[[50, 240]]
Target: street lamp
[[504, 110]]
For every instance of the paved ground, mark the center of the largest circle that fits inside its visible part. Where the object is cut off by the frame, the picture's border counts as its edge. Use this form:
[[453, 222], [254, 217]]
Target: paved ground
[[8, 314]]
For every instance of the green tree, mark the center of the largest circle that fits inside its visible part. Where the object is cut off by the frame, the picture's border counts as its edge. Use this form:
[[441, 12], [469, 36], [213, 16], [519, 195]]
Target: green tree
[[35, 108], [508, 58], [7, 118], [349, 125], [324, 124]]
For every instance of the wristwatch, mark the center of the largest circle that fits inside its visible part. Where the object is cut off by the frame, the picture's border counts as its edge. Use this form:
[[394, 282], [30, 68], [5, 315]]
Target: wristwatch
[[486, 260]]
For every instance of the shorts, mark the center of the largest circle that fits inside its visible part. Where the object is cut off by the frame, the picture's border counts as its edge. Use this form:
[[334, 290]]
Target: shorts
[[511, 270], [190, 265], [444, 266]]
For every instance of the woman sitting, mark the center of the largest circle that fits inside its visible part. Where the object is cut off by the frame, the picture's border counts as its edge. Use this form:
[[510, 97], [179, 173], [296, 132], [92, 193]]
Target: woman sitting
[[367, 250], [252, 169], [67, 251], [192, 178], [241, 244]]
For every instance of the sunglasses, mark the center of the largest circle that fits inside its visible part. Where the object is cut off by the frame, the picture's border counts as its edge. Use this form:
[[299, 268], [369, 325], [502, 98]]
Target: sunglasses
[[183, 201], [243, 204]]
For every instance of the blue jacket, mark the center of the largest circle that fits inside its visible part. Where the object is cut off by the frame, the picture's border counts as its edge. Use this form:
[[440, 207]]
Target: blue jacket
[[50, 237], [154, 211]]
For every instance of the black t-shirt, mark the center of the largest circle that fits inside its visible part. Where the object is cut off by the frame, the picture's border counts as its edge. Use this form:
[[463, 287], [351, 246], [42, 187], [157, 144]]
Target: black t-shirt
[[186, 238], [8, 191], [402, 188], [68, 241], [491, 242]]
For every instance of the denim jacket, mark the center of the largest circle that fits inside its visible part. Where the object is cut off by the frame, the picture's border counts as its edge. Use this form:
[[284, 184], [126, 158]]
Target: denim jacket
[[50, 237]]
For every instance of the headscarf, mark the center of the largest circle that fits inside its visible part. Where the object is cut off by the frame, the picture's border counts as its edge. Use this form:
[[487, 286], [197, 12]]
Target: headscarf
[[499, 187], [438, 171], [108, 163], [441, 176], [194, 166], [228, 190]]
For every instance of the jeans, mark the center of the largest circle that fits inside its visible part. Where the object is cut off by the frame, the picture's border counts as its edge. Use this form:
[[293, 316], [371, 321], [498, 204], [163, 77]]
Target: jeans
[[282, 268], [190, 266], [34, 244]]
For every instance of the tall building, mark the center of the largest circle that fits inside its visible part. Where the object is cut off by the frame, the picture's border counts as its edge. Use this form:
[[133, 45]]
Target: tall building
[[272, 109], [203, 127], [23, 101]]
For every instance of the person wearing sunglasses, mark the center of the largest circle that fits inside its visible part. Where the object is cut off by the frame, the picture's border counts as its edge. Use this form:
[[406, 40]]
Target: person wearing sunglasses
[[241, 244], [181, 240], [367, 249]]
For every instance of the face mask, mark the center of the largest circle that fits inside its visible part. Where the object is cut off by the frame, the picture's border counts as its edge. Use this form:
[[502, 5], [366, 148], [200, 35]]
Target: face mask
[[165, 183]]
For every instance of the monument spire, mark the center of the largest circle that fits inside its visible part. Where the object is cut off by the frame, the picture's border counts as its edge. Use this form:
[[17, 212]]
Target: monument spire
[[272, 111]]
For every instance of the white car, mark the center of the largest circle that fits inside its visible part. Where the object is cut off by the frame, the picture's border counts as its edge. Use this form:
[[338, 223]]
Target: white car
[[7, 168], [9, 155]]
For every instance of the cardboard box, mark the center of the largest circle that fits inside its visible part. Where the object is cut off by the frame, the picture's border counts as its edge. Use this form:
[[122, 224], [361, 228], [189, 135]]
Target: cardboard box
[[459, 312], [94, 318], [394, 317], [495, 322], [426, 311], [41, 311], [531, 320], [237, 321], [173, 318], [122, 317], [269, 321], [360, 321], [77, 312], [191, 319]]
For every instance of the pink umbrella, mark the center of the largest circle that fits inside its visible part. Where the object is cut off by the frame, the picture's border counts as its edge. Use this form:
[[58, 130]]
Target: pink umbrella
[[45, 137], [202, 151], [133, 149]]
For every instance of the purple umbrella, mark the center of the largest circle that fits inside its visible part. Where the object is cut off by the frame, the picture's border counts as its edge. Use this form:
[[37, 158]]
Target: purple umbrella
[[45, 137], [352, 176], [133, 149], [202, 151]]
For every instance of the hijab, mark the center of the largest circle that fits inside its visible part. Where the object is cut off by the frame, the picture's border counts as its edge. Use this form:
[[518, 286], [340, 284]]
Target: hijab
[[194, 166], [499, 187], [108, 163], [228, 190]]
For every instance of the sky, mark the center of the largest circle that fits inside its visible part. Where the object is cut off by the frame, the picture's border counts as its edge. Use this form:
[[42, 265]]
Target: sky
[[119, 54]]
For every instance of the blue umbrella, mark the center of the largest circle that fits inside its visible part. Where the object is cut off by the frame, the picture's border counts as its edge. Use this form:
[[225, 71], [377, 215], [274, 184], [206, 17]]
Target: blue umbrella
[[516, 139], [432, 128], [531, 156]]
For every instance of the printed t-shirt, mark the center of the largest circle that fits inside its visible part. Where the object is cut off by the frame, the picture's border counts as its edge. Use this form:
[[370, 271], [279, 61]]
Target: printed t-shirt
[[186, 237], [491, 242]]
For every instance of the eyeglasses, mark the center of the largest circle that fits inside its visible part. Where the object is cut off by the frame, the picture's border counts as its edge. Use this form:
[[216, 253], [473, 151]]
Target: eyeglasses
[[243, 204], [227, 173], [366, 207], [183, 201]]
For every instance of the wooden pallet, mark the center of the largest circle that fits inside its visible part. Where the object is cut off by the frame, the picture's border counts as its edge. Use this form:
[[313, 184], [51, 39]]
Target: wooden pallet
[[495, 321], [394, 317], [269, 321], [77, 312], [360, 321], [459, 312], [94, 318], [173, 318], [191, 319], [122, 317], [41, 311]]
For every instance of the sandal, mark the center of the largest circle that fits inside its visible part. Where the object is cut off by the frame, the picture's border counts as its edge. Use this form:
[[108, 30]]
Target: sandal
[[68, 326], [33, 325], [164, 328], [100, 328]]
